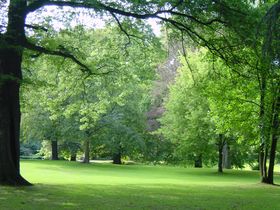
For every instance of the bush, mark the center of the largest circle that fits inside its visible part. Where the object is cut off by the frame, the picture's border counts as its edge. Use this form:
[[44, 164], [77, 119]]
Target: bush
[[32, 157]]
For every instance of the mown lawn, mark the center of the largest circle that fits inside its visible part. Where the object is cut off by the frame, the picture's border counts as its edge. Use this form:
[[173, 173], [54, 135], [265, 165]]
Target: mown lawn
[[65, 185]]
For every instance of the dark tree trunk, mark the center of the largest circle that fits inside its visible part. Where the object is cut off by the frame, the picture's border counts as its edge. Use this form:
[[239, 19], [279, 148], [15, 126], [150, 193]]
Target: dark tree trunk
[[198, 162], [54, 150], [220, 162], [220, 144], [269, 179], [274, 137], [73, 157], [86, 152], [263, 133], [117, 158], [10, 76]]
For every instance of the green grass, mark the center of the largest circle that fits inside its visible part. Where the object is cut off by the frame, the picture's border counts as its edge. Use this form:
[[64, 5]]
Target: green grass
[[65, 185]]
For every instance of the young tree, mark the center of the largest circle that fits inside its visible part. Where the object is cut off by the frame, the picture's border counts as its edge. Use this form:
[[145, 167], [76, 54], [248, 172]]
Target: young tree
[[187, 122]]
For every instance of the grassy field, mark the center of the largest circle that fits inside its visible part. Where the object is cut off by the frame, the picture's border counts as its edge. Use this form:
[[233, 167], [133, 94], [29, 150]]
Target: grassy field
[[65, 185]]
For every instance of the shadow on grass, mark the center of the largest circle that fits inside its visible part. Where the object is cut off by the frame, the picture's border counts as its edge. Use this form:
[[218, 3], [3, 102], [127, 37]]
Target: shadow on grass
[[139, 197]]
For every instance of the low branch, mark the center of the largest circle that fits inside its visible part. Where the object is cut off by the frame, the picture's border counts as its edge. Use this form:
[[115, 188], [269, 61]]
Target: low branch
[[242, 100], [121, 27], [98, 6], [36, 27], [44, 50], [192, 18], [186, 58], [103, 7]]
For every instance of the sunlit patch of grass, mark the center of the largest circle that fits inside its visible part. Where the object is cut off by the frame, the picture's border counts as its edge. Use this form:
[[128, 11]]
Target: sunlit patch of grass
[[66, 185]]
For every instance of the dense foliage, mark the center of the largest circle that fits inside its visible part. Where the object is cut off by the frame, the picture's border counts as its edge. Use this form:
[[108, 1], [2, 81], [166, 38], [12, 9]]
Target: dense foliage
[[107, 110]]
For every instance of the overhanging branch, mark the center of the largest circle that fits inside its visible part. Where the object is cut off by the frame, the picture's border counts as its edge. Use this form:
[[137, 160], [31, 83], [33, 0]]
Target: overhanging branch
[[98, 6], [36, 27], [44, 50], [186, 58]]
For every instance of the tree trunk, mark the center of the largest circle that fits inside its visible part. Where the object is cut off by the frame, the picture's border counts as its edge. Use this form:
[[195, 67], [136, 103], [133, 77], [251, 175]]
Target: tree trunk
[[86, 152], [10, 76], [221, 144], [274, 137], [269, 179], [198, 161], [226, 157], [117, 158], [73, 157], [220, 162], [54, 150], [262, 163], [263, 135]]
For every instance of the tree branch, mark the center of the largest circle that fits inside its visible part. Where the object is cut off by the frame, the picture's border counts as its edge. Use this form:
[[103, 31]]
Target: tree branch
[[186, 58], [242, 100], [103, 7], [44, 50], [36, 27]]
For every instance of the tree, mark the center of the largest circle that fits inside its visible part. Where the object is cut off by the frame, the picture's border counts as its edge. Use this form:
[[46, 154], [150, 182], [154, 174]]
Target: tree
[[37, 124], [126, 125], [210, 109], [269, 83], [258, 91], [187, 122], [83, 107]]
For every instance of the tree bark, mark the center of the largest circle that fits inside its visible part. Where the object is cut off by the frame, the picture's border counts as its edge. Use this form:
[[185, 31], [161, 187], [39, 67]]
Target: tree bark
[[54, 150], [198, 161], [117, 158], [221, 144], [73, 157], [10, 76], [263, 130], [226, 156], [274, 138], [86, 152], [220, 162]]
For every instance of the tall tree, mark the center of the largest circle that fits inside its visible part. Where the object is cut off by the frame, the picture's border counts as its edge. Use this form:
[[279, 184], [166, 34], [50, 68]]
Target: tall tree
[[187, 121]]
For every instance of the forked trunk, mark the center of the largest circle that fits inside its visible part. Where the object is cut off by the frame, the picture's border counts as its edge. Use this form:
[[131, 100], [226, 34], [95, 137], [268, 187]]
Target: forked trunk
[[10, 76]]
